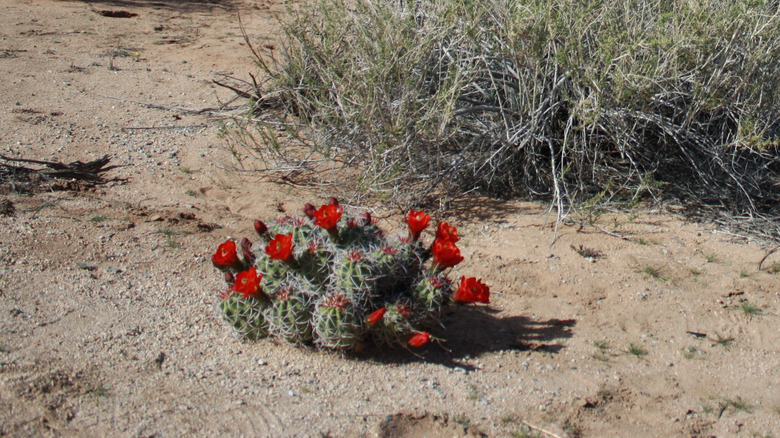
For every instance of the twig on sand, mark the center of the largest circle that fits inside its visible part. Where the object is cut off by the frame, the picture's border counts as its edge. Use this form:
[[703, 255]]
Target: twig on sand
[[769, 253]]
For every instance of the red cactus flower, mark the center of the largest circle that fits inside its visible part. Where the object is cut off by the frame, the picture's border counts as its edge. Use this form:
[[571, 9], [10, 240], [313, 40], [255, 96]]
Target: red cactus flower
[[472, 290], [309, 210], [445, 254], [417, 221], [281, 248], [446, 232], [375, 317], [248, 283], [226, 256], [261, 227], [419, 339], [328, 217]]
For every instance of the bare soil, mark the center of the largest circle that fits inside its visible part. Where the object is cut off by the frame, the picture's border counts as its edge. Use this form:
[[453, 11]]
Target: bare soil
[[641, 324]]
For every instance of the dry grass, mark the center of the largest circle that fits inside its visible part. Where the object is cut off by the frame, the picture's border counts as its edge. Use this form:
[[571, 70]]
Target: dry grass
[[558, 99]]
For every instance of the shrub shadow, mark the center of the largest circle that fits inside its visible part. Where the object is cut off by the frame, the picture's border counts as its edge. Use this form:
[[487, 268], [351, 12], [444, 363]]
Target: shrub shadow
[[171, 5], [468, 332]]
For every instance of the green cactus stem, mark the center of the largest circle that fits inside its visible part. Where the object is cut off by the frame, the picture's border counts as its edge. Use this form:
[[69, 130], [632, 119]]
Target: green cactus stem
[[245, 315], [337, 325], [290, 315]]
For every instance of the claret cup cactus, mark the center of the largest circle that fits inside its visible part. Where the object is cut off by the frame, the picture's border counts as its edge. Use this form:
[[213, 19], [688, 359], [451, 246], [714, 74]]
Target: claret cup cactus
[[337, 282]]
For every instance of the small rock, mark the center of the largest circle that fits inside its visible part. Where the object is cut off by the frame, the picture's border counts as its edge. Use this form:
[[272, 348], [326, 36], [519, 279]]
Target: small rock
[[86, 266]]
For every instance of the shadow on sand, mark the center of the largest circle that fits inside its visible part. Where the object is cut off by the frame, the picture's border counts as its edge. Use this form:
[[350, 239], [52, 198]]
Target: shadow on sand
[[470, 331], [182, 6]]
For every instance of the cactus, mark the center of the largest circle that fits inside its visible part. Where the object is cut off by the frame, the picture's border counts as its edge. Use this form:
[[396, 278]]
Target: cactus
[[337, 324], [245, 315], [354, 277], [289, 317], [432, 294], [336, 281], [395, 325]]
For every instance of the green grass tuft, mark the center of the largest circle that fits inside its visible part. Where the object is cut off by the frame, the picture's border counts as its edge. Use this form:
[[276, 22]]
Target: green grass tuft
[[654, 272], [636, 350], [724, 342], [749, 309]]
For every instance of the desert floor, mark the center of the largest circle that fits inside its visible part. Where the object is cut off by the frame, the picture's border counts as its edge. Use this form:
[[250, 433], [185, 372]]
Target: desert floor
[[108, 299]]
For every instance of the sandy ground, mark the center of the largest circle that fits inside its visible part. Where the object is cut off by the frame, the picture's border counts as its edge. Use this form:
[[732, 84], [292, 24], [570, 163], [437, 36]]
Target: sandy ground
[[108, 297]]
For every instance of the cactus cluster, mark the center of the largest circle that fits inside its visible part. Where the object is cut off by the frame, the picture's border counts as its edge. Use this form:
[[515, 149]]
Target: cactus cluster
[[337, 282]]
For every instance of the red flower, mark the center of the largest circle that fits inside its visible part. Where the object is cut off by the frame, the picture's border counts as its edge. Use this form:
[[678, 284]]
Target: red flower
[[248, 283], [226, 256], [328, 217], [376, 316], [472, 290], [445, 232], [281, 248], [445, 254], [261, 227], [417, 221], [419, 339]]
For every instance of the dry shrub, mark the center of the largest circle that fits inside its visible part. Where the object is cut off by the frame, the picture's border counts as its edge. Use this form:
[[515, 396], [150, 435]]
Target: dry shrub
[[562, 100]]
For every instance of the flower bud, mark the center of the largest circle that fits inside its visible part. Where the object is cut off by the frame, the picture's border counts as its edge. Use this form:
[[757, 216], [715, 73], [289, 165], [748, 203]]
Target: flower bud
[[419, 339], [309, 210], [333, 201], [366, 218], [246, 252], [375, 317], [261, 227]]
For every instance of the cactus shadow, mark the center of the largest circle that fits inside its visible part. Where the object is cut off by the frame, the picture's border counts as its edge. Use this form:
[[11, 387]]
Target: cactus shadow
[[468, 332]]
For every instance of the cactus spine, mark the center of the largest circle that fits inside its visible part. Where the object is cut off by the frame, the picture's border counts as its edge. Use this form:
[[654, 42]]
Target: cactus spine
[[246, 316]]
